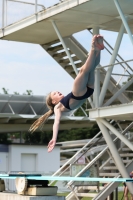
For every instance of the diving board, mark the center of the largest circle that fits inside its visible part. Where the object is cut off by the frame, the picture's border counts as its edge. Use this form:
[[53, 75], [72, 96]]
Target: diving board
[[64, 178]]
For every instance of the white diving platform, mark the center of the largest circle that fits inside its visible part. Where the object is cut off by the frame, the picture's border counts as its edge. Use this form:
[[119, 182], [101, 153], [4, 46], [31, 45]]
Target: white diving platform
[[117, 112], [71, 16]]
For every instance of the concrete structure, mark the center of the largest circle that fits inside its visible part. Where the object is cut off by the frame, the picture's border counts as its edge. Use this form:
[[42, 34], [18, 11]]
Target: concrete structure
[[28, 158], [11, 196]]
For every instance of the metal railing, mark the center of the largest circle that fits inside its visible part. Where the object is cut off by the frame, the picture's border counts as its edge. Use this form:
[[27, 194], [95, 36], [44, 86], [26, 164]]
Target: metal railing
[[82, 151], [70, 183], [127, 68], [5, 8]]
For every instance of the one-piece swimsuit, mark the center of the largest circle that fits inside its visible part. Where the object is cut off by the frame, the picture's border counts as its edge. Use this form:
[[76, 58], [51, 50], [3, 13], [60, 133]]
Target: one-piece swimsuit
[[65, 100]]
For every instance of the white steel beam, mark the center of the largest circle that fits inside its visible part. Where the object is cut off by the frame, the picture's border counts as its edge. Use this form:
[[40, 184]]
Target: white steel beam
[[97, 87], [119, 112], [114, 152], [65, 47], [117, 133], [97, 77], [109, 72], [3, 13], [124, 20], [36, 6], [123, 88]]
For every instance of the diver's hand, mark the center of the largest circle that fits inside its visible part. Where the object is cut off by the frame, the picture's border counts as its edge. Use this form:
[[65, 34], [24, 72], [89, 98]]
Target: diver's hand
[[51, 145]]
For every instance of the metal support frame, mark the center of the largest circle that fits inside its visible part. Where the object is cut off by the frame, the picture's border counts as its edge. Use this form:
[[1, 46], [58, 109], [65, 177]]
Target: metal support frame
[[11, 108], [123, 20], [114, 152], [97, 77], [32, 110], [109, 72], [97, 87], [128, 66], [119, 92], [64, 46], [117, 133], [84, 111]]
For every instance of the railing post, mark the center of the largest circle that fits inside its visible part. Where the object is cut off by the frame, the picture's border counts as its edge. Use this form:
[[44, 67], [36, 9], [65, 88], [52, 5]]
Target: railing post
[[97, 76], [3, 13], [35, 6]]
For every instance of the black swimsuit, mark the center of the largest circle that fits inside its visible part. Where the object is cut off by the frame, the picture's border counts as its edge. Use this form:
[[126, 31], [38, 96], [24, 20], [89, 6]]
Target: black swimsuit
[[65, 100]]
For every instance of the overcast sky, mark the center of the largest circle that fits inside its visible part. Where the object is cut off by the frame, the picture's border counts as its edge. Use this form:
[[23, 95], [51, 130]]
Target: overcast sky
[[27, 66]]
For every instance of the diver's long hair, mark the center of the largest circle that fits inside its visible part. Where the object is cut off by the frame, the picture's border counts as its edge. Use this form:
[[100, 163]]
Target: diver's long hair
[[40, 122]]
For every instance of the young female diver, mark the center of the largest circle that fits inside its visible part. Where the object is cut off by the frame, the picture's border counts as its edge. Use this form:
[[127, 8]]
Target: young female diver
[[83, 88]]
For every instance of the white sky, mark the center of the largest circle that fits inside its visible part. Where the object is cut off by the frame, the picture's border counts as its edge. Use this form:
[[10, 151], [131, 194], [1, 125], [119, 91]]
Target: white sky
[[27, 66]]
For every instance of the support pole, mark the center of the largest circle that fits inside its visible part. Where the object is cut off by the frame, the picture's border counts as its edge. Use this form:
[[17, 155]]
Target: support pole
[[97, 87], [109, 72], [114, 152], [97, 77], [35, 6], [119, 135], [123, 20], [3, 13], [64, 45], [91, 102]]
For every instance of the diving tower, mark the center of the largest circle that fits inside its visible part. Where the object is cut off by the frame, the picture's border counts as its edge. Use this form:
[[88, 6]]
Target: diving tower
[[53, 30]]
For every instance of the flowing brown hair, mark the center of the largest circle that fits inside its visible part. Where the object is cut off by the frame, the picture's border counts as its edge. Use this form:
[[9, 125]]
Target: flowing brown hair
[[40, 122]]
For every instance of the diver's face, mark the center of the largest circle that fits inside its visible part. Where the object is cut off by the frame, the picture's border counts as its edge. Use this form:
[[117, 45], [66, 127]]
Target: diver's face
[[56, 97]]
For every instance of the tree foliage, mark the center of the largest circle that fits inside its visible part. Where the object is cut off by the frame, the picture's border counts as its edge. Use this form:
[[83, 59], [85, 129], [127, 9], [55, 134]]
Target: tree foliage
[[4, 138], [5, 91], [37, 137]]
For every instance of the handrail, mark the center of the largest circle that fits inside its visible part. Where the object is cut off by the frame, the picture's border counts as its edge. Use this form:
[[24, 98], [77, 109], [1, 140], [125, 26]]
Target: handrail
[[28, 3], [114, 64], [100, 154], [4, 9], [125, 68], [74, 156]]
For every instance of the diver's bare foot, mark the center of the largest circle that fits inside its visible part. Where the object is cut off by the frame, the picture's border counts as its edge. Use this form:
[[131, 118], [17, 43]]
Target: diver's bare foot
[[100, 42], [97, 43]]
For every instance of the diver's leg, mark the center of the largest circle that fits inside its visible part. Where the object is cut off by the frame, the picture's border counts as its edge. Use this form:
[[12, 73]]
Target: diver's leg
[[80, 82]]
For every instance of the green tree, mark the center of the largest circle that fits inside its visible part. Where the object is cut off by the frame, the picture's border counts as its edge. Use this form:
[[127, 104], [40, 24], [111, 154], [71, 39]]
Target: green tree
[[28, 92], [4, 138], [16, 93], [37, 137], [5, 91]]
